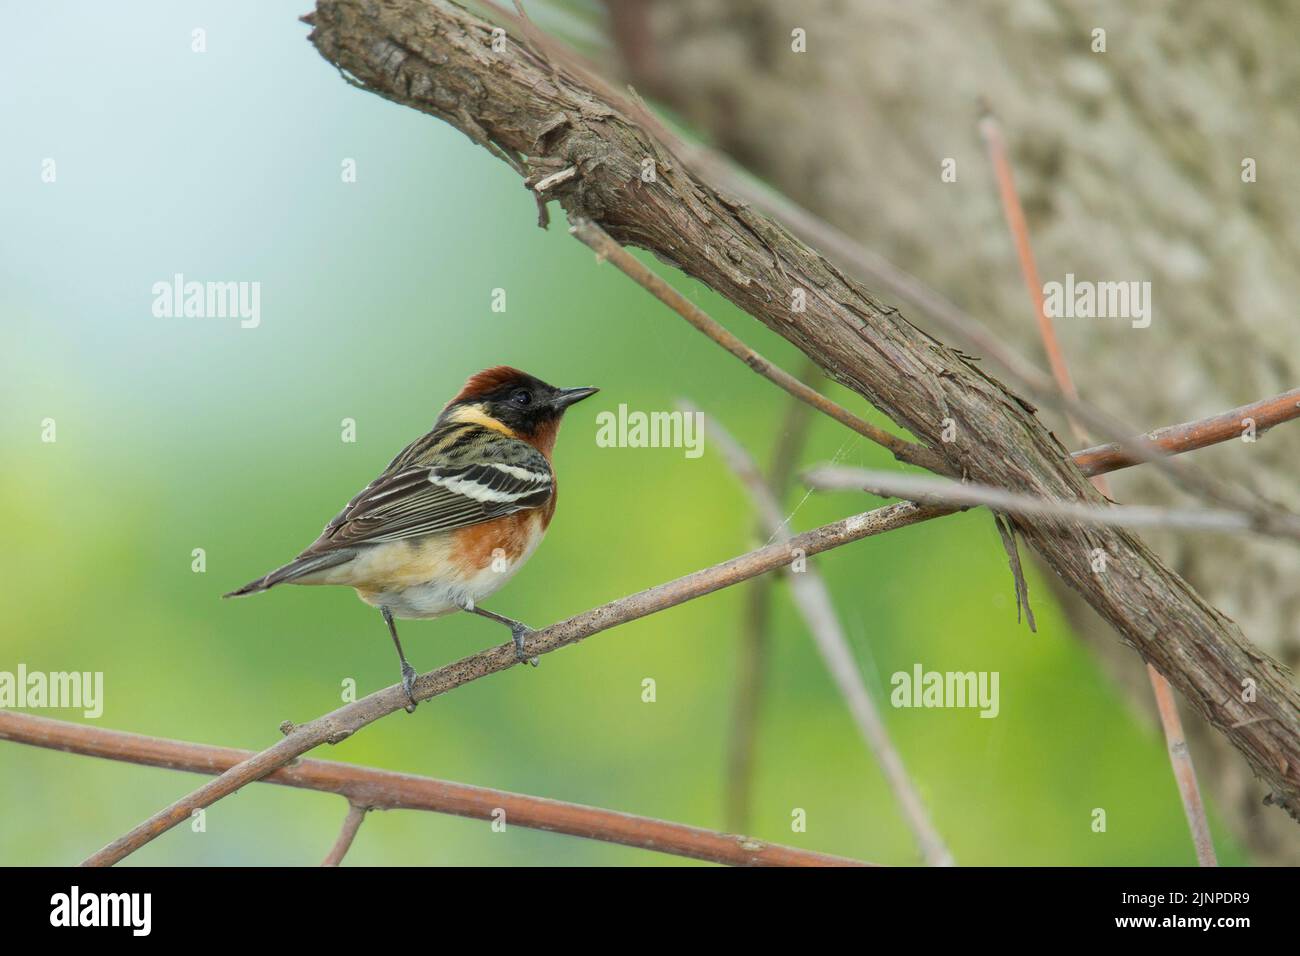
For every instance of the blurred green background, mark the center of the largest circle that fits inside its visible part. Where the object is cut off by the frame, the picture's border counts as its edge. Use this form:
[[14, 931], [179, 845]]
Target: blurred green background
[[176, 434]]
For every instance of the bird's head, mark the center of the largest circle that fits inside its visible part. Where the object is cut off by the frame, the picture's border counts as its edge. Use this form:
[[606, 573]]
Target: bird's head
[[525, 405]]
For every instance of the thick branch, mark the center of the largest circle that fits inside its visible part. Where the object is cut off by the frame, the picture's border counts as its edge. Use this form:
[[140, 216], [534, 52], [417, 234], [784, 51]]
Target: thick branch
[[435, 57], [366, 788]]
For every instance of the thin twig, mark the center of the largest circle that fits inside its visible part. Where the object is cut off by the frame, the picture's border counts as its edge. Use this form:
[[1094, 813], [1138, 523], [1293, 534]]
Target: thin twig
[[813, 599], [1253, 419], [942, 491], [351, 824], [340, 724], [1180, 758], [607, 249], [1019, 228], [1180, 755], [374, 789]]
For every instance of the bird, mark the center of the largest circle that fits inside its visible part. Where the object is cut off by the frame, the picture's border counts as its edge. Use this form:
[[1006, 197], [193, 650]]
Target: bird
[[454, 515]]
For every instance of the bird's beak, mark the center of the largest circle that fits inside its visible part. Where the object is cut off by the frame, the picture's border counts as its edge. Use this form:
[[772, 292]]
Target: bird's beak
[[571, 396]]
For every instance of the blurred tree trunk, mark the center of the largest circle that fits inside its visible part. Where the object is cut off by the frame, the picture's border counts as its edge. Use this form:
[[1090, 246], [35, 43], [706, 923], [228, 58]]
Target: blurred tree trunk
[[1129, 164]]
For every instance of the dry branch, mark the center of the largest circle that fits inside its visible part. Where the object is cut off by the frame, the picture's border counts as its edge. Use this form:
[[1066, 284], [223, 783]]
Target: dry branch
[[1015, 216], [340, 724], [1253, 419], [536, 114], [1180, 759], [351, 824], [366, 788], [942, 491]]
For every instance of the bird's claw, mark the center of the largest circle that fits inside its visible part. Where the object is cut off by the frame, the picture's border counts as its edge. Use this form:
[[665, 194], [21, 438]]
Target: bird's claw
[[520, 633], [408, 685]]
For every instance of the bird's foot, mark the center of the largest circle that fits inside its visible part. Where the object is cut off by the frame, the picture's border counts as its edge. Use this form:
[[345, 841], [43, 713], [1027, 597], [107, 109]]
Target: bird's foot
[[521, 632], [408, 685]]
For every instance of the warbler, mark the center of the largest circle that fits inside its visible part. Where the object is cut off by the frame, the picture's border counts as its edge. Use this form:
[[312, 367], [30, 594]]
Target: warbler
[[453, 516]]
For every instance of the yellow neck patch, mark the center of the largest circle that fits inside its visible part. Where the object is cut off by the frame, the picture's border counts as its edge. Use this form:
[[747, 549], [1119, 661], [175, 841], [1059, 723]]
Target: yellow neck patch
[[477, 415]]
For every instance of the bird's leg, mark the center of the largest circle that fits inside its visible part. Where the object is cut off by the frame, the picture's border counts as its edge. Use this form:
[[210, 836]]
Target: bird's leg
[[408, 672], [518, 630]]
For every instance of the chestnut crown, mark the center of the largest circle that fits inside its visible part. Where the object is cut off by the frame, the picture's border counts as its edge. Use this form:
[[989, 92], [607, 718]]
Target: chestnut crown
[[522, 402]]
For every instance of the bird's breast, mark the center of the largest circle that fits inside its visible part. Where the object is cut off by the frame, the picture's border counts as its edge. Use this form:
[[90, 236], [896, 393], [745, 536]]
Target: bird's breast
[[433, 575]]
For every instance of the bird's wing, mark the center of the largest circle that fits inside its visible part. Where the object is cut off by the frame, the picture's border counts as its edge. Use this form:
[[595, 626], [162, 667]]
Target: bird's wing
[[426, 490]]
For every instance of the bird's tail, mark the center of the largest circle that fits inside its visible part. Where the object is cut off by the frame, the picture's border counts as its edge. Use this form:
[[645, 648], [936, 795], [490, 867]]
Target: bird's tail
[[296, 569]]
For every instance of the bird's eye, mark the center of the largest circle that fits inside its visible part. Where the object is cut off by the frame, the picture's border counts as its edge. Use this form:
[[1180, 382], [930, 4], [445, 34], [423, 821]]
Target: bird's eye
[[522, 397]]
